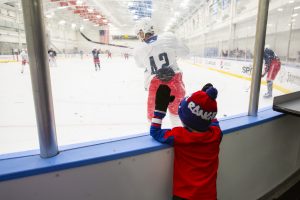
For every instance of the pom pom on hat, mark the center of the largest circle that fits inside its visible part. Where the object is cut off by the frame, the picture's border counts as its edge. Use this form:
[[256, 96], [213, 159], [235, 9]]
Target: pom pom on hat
[[197, 111], [212, 92], [206, 86]]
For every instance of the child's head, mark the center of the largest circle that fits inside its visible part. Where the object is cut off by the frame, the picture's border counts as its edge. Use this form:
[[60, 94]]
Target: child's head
[[197, 110]]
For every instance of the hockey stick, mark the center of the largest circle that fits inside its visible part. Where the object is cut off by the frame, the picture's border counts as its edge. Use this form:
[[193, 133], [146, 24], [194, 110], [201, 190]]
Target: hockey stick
[[114, 45]]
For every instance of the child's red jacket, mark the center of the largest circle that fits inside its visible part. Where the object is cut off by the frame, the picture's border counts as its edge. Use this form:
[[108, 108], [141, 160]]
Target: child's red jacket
[[195, 158]]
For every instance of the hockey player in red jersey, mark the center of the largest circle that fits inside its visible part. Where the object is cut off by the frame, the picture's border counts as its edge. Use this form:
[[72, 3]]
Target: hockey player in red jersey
[[158, 55], [196, 144], [109, 54], [96, 58], [272, 67]]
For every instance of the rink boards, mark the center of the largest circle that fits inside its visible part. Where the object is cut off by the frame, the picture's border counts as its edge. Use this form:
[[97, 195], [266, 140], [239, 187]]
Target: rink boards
[[288, 78]]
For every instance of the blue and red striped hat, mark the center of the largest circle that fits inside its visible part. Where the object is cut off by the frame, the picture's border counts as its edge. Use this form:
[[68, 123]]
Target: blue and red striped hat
[[198, 110]]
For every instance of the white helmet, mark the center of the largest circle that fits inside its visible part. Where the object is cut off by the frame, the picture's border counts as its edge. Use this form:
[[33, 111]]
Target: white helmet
[[144, 26], [267, 46]]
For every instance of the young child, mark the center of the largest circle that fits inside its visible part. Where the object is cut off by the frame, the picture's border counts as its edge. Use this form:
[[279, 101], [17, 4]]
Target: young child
[[196, 144]]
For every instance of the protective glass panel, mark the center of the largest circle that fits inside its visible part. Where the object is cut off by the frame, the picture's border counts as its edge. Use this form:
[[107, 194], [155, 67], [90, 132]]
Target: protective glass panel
[[101, 75], [282, 54], [18, 130]]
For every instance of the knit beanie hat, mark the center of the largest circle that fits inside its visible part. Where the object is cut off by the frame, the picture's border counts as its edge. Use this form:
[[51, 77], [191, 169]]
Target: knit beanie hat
[[197, 111]]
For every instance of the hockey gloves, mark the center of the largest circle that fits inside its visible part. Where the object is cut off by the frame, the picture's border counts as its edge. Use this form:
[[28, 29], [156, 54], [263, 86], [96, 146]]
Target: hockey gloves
[[165, 74], [163, 98]]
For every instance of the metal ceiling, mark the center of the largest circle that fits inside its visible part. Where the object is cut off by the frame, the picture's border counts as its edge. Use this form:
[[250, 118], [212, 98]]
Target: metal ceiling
[[121, 15]]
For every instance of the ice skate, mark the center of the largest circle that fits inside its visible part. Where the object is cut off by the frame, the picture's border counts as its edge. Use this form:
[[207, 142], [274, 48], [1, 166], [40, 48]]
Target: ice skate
[[267, 95]]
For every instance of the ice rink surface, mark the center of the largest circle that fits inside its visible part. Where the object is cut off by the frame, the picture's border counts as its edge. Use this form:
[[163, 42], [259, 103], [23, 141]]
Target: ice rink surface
[[100, 105]]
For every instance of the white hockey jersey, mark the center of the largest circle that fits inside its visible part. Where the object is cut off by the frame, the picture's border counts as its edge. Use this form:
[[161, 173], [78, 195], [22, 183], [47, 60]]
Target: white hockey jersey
[[158, 52], [24, 55]]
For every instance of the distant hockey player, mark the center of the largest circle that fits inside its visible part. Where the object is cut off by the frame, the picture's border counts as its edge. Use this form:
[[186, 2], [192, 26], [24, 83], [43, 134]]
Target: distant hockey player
[[126, 55], [196, 143], [158, 54], [52, 58], [24, 57], [81, 54], [272, 67], [108, 54], [96, 53]]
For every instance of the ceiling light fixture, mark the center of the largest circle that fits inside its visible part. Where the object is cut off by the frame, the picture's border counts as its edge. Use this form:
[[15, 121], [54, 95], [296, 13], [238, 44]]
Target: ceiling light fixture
[[79, 2], [62, 22], [184, 3], [296, 8], [280, 9], [62, 7]]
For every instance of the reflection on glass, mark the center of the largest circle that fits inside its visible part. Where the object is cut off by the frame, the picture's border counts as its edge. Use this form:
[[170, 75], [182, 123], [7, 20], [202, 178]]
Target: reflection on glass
[[223, 48], [283, 34], [18, 130]]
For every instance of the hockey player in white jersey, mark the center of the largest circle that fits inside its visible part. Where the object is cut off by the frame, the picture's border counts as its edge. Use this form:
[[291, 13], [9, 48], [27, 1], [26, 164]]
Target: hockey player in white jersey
[[158, 55], [24, 57]]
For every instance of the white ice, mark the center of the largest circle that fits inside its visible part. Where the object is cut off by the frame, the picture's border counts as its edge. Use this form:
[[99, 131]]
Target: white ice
[[99, 105]]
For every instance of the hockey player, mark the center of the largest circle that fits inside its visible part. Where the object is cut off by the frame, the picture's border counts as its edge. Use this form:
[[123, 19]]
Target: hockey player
[[158, 54], [272, 67], [108, 54], [52, 58], [96, 53], [81, 54], [24, 57], [126, 55], [196, 144]]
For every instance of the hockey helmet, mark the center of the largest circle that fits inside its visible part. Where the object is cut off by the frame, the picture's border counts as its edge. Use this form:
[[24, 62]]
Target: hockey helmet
[[267, 46], [144, 26]]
